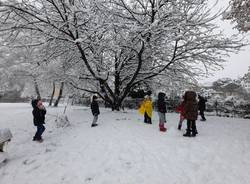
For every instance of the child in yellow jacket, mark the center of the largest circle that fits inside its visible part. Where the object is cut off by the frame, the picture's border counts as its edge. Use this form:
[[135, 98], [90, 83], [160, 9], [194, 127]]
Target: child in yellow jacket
[[146, 109]]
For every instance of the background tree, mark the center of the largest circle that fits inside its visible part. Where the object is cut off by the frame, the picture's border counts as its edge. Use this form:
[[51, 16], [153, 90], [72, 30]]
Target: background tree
[[116, 45], [240, 14], [230, 86]]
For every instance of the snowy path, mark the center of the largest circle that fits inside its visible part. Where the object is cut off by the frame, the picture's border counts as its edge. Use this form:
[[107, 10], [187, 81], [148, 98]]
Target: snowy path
[[123, 150]]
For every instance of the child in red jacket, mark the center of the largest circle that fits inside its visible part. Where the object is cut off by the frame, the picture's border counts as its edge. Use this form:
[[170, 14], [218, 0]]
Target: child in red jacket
[[180, 109]]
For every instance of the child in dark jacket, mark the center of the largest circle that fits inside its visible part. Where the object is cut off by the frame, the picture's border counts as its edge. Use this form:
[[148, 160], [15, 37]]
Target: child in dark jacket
[[190, 113], [202, 107], [161, 105], [38, 112], [95, 110]]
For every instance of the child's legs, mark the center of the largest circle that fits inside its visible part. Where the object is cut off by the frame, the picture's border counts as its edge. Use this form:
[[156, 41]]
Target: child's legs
[[39, 132], [162, 117], [194, 131], [202, 114], [147, 119], [95, 119], [181, 119], [189, 125]]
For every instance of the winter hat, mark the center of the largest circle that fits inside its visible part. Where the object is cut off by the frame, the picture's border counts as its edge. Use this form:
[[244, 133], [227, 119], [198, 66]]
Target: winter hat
[[94, 97], [34, 103], [161, 95], [190, 96]]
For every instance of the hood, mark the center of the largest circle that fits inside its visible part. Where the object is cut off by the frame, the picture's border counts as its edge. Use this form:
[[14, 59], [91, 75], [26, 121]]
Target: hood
[[161, 96], [190, 96], [34, 103]]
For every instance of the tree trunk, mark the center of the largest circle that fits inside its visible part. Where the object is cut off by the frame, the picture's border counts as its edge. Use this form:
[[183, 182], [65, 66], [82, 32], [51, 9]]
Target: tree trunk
[[60, 95], [116, 105], [116, 101], [52, 95], [37, 88]]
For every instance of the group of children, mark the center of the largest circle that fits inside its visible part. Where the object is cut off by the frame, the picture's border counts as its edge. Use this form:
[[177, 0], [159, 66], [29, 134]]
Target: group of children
[[188, 110]]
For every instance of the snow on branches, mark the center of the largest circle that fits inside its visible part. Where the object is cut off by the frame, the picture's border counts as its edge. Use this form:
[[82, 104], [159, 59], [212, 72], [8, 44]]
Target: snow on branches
[[239, 13], [115, 45]]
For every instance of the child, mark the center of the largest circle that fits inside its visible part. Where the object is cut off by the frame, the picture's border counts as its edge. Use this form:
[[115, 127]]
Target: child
[[146, 109], [202, 107], [95, 110], [38, 112], [180, 109], [161, 105], [190, 113]]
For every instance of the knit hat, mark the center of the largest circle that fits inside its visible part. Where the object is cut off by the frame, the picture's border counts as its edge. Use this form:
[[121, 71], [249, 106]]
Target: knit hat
[[34, 103], [94, 97]]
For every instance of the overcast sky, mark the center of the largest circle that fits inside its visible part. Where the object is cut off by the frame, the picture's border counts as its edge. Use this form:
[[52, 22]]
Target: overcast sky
[[237, 64]]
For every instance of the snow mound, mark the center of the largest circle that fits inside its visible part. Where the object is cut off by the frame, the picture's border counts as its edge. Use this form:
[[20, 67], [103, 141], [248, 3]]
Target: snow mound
[[5, 135], [62, 121]]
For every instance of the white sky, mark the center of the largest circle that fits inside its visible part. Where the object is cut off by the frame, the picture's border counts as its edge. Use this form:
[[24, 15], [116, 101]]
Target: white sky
[[237, 64]]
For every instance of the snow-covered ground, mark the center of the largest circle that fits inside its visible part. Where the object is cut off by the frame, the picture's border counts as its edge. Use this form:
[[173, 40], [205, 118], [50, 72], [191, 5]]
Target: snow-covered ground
[[123, 150]]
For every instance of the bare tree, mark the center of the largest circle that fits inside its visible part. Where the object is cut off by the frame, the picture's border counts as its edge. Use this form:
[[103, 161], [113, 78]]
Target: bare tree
[[60, 94], [52, 94], [240, 14], [116, 45]]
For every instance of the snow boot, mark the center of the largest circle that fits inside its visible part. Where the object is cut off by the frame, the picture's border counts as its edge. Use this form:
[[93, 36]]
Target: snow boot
[[162, 128], [194, 132], [38, 140], [188, 133], [94, 125]]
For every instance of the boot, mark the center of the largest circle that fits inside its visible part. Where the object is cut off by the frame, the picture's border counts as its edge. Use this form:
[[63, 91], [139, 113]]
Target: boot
[[194, 132], [40, 140], [94, 125], [179, 126], [162, 128], [187, 134]]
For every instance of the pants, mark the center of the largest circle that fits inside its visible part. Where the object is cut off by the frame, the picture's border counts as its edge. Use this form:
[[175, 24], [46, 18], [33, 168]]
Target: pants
[[147, 119], [162, 117], [95, 119], [191, 126], [202, 115], [181, 120], [39, 132]]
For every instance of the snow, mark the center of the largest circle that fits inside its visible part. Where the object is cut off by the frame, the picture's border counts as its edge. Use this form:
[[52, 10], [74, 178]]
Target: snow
[[5, 135], [247, 26], [79, 40], [3, 158], [123, 150]]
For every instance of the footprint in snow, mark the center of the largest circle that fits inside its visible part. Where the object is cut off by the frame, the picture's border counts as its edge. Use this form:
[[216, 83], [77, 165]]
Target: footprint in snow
[[28, 162]]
